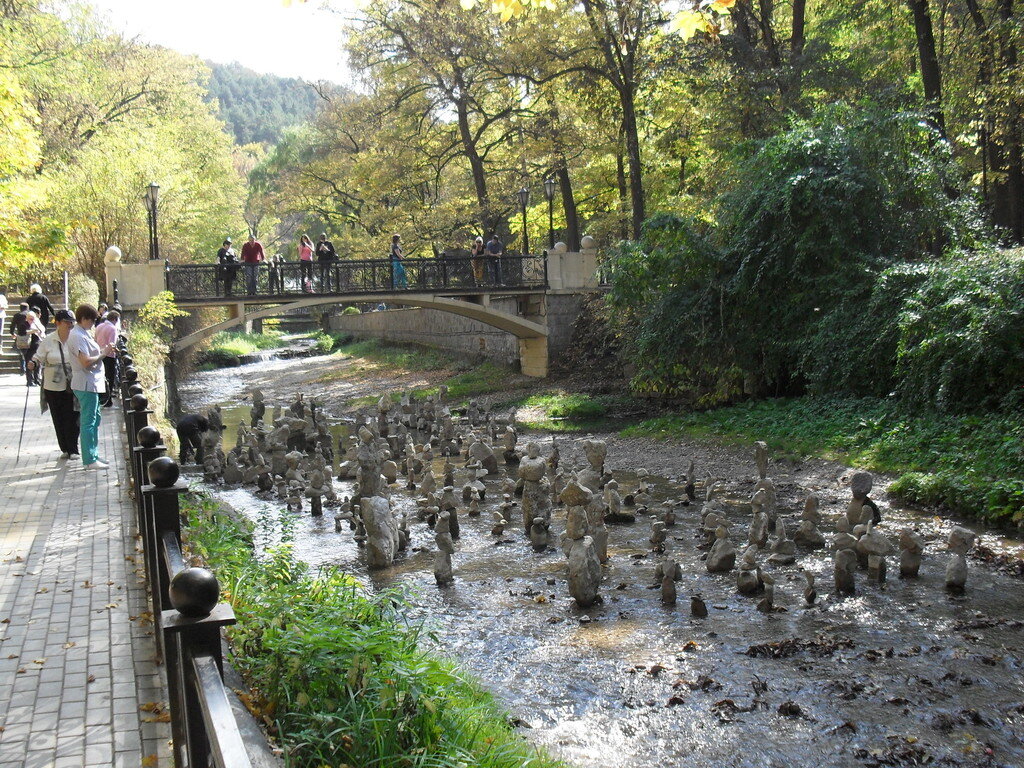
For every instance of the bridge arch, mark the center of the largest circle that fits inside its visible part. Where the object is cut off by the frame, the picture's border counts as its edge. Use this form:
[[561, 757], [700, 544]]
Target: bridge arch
[[532, 336]]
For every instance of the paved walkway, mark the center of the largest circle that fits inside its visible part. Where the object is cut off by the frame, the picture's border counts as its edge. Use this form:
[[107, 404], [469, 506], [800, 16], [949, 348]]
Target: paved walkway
[[76, 650]]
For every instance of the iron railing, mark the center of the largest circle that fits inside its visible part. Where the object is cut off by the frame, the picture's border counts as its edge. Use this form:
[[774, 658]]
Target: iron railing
[[189, 618], [371, 276]]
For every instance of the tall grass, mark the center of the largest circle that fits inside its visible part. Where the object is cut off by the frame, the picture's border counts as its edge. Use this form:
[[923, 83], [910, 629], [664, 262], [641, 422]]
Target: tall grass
[[340, 673], [227, 347]]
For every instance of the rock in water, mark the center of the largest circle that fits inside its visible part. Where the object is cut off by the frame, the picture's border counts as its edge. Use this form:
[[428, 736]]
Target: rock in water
[[381, 531], [584, 572], [668, 582], [960, 541], [722, 556], [697, 608], [912, 550]]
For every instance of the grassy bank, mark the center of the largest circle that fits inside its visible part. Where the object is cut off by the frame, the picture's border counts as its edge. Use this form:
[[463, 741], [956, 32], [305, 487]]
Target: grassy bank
[[558, 410], [339, 674], [466, 380], [227, 347], [968, 464]]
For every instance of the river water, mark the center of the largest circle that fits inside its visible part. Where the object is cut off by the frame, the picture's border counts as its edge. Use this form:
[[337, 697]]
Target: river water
[[901, 674]]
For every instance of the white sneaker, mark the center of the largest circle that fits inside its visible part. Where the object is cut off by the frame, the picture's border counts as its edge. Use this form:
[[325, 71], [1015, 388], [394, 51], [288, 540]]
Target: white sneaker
[[97, 465]]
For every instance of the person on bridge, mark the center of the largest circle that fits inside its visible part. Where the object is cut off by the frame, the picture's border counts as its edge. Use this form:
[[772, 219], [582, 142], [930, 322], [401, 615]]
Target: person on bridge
[[87, 382], [227, 265], [190, 428], [275, 272], [41, 305], [476, 260], [106, 333], [306, 263], [252, 255], [494, 252], [55, 359], [325, 256], [398, 278]]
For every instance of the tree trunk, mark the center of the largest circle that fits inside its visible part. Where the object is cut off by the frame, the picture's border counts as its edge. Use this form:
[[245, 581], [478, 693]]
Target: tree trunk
[[796, 51], [620, 180], [931, 74], [488, 217], [572, 220], [636, 172]]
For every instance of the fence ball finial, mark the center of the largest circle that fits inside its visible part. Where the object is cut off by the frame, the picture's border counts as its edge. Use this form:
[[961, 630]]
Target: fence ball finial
[[140, 402], [194, 592], [135, 389], [127, 360], [112, 255], [130, 374], [148, 437], [163, 472]]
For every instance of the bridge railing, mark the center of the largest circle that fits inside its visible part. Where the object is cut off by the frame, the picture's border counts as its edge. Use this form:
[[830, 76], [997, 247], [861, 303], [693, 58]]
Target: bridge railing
[[370, 276]]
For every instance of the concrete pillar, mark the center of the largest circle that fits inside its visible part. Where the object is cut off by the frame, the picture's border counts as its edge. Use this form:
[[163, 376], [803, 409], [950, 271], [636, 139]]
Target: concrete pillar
[[533, 356]]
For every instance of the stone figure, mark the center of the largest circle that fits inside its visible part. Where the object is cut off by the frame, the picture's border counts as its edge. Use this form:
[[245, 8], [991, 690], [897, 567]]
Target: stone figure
[[783, 548], [658, 534], [860, 486], [845, 562], [911, 552], [764, 483], [960, 541], [758, 532], [539, 534], [698, 608], [584, 572], [510, 454], [316, 491], [381, 531], [642, 497], [368, 476], [258, 408], [807, 534], [448, 501], [876, 547], [232, 472], [810, 593], [445, 550], [767, 603], [596, 451], [506, 507], [532, 469], [668, 582], [615, 512], [748, 576], [499, 523], [722, 556]]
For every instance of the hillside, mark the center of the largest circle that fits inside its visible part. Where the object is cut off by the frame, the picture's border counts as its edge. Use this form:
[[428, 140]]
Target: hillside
[[257, 107]]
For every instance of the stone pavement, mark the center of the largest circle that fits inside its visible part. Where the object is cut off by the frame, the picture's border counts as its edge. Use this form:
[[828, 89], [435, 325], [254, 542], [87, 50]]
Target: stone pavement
[[76, 650]]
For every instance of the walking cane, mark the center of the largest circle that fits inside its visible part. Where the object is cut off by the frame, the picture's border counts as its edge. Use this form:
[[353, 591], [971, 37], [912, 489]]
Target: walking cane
[[24, 412]]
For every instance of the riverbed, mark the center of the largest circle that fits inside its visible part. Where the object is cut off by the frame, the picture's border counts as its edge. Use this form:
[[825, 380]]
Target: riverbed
[[901, 674]]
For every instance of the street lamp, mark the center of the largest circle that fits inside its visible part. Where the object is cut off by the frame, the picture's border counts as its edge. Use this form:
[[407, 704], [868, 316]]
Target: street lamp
[[152, 200], [549, 193], [524, 200]]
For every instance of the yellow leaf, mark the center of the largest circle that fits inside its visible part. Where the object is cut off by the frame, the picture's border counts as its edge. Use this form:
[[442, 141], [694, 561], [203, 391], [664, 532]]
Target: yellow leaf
[[721, 6], [149, 761], [688, 23], [467, 5]]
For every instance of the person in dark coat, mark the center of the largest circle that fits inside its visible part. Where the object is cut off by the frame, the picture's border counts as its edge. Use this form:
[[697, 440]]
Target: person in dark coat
[[39, 304], [190, 428]]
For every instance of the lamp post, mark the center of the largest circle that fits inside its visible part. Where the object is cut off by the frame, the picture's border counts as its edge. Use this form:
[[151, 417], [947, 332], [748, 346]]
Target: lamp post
[[524, 200], [549, 193], [152, 200]]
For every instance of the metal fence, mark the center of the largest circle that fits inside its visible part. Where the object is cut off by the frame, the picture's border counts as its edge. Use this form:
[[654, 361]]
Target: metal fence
[[186, 610], [371, 276]]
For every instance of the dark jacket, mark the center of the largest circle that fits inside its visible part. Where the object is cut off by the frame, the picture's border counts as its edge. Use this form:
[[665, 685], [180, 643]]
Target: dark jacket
[[42, 306], [192, 424]]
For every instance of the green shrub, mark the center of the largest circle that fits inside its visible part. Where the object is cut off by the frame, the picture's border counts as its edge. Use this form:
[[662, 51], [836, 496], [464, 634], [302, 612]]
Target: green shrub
[[82, 290], [789, 288], [225, 349], [350, 310]]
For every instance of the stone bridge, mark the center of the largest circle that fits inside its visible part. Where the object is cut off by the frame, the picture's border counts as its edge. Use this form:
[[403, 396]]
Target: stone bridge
[[513, 294]]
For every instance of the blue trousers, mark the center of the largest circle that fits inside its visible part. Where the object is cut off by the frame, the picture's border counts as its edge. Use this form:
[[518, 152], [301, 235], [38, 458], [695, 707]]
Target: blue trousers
[[89, 435]]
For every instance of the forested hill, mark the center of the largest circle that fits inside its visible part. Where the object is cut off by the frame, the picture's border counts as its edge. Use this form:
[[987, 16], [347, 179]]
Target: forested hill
[[257, 107]]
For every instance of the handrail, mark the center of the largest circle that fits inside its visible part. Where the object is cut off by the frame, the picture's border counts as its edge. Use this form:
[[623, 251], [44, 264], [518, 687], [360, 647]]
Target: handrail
[[188, 622], [226, 744], [275, 280]]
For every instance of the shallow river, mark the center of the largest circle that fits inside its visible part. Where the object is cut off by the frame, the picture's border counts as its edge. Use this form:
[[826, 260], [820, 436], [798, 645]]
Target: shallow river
[[900, 675]]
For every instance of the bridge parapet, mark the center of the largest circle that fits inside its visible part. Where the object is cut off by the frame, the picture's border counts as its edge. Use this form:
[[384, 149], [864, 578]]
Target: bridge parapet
[[136, 283]]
